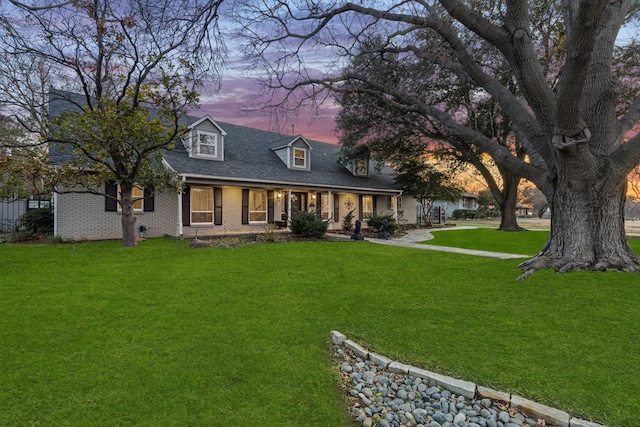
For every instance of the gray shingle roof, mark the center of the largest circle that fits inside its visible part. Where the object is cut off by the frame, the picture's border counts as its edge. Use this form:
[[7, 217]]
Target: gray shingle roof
[[248, 157]]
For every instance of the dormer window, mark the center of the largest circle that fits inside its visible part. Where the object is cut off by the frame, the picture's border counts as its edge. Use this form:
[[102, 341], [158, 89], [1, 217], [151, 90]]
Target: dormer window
[[362, 167], [296, 154], [207, 144], [299, 158]]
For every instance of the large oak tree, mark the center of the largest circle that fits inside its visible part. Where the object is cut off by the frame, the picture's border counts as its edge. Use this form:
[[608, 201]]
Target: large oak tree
[[368, 121], [572, 127]]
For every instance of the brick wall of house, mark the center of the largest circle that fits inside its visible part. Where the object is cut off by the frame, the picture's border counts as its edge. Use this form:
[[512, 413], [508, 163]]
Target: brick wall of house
[[83, 217]]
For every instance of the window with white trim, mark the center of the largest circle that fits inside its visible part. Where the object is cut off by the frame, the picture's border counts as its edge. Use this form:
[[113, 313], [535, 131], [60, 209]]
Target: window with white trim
[[257, 206], [201, 200], [362, 167], [324, 204], [299, 157], [137, 194], [391, 203], [367, 206], [207, 144]]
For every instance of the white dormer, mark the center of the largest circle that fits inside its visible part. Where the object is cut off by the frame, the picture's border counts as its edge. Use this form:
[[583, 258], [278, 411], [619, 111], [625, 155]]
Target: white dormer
[[205, 139], [296, 154]]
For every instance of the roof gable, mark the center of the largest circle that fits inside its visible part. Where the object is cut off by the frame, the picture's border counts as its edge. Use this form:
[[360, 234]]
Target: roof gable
[[295, 154], [204, 119]]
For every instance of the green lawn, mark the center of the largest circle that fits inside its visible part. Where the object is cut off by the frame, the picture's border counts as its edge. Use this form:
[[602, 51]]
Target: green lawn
[[490, 239], [161, 334]]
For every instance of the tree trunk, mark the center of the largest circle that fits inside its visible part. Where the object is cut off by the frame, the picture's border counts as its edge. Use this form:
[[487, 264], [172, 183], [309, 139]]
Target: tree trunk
[[426, 213], [128, 217], [587, 224], [509, 201]]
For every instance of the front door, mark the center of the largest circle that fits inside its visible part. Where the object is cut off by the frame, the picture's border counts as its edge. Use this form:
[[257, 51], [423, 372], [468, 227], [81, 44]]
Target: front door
[[298, 202]]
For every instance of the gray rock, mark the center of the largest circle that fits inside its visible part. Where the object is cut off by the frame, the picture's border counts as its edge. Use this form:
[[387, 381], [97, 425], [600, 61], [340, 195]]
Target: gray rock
[[438, 417], [503, 417], [405, 407], [459, 418], [364, 399]]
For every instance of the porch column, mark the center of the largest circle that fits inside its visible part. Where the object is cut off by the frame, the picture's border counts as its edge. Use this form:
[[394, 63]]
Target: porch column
[[289, 208], [179, 224], [330, 196], [395, 207], [179, 229]]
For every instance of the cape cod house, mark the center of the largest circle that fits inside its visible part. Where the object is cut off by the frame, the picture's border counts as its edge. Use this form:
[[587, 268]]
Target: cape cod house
[[236, 180]]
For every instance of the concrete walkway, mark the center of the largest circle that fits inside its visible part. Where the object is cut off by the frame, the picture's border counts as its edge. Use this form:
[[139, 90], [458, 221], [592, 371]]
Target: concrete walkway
[[411, 239]]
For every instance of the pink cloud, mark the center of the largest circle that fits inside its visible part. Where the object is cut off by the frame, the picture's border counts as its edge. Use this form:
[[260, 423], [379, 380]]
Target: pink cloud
[[234, 100]]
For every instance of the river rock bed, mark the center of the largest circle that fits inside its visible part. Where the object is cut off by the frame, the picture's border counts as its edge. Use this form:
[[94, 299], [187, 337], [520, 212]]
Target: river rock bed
[[378, 397]]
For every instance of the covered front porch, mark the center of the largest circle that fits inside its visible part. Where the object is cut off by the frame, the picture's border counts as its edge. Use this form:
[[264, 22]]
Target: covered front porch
[[207, 209]]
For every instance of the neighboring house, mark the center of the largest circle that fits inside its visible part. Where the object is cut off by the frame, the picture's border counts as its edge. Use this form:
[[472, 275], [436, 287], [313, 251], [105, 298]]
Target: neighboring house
[[236, 180], [523, 210], [411, 211], [468, 201]]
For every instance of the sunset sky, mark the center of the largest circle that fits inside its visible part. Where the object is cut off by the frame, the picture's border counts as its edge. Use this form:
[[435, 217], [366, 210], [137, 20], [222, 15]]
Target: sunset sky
[[229, 104], [239, 86]]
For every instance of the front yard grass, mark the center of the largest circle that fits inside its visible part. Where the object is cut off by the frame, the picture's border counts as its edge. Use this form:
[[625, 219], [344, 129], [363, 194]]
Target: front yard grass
[[489, 239], [161, 334]]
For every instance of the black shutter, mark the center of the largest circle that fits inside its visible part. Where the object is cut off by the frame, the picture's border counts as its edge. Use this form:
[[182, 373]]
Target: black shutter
[[336, 208], [217, 199], [270, 207], [319, 205], [375, 210], [148, 203], [186, 206], [360, 207], [110, 200], [245, 206]]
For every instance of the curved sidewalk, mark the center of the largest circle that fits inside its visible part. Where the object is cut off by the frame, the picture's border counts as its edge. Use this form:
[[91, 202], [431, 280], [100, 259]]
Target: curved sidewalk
[[411, 239]]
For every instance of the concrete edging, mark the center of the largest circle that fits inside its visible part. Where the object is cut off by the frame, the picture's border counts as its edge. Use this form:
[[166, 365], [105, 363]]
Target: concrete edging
[[466, 388]]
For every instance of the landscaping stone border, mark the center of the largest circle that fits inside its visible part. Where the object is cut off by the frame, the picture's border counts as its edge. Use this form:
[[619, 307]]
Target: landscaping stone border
[[466, 388]]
